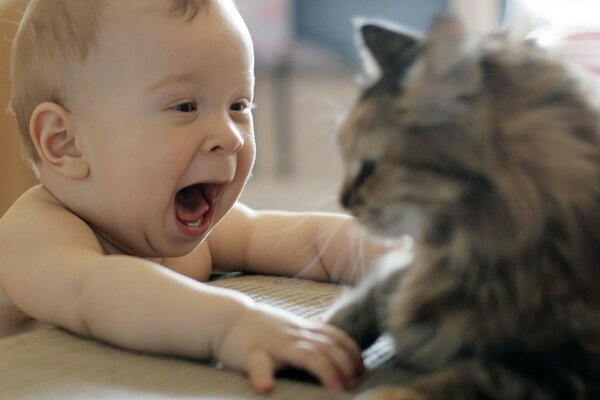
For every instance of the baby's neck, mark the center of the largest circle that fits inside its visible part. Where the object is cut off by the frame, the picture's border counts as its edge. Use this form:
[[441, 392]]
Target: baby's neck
[[110, 249]]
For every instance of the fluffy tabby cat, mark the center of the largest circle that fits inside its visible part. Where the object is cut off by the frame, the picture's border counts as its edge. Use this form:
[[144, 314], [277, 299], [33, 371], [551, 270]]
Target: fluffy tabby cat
[[494, 148]]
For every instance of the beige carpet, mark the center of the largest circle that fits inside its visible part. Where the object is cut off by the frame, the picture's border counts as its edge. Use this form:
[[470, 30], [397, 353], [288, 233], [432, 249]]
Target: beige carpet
[[52, 364]]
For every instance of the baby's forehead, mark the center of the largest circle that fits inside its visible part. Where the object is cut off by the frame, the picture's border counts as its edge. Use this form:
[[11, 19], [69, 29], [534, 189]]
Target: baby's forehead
[[132, 26], [157, 21], [147, 19], [130, 13], [176, 9], [144, 40]]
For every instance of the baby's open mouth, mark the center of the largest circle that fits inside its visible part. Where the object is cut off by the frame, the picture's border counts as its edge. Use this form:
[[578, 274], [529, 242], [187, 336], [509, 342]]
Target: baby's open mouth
[[193, 203]]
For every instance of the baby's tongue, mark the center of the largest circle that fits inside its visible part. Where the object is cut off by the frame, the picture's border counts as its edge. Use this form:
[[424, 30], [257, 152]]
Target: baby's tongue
[[190, 204]]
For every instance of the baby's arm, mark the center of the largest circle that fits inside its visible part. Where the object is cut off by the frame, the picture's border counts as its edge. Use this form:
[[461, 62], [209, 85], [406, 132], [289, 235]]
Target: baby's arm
[[320, 246], [53, 269]]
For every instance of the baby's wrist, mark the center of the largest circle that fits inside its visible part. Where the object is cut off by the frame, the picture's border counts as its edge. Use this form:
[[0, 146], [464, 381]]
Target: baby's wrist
[[231, 314]]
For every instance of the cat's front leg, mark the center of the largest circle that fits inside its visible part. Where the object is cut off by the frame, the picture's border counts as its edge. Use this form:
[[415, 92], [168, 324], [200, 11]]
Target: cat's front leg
[[362, 312]]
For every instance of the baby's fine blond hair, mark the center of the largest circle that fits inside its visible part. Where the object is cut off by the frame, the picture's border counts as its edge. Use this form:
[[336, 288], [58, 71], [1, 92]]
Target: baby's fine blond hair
[[54, 38]]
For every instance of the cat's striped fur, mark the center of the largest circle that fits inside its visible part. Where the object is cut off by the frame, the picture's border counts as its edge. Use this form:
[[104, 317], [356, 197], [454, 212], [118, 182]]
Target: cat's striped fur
[[494, 147]]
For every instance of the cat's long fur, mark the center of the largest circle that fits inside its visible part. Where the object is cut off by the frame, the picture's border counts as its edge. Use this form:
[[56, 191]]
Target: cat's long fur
[[495, 147]]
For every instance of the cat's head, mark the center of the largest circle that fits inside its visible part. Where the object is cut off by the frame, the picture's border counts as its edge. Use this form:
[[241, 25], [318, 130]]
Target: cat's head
[[486, 134]]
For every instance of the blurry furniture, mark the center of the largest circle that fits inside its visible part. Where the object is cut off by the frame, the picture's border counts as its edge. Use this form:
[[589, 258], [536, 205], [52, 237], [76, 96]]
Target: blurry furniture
[[310, 41], [15, 175]]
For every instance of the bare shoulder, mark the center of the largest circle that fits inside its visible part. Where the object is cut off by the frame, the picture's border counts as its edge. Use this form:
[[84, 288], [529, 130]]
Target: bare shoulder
[[39, 231], [38, 220], [36, 234]]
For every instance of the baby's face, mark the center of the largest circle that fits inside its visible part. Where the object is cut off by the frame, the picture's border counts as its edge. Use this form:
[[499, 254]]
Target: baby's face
[[162, 114]]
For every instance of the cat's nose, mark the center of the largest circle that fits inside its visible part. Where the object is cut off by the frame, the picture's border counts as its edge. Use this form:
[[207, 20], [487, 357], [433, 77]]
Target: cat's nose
[[348, 198]]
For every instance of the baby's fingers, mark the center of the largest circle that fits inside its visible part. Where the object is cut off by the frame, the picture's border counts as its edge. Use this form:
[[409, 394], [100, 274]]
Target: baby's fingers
[[319, 363], [344, 363], [261, 371], [351, 349]]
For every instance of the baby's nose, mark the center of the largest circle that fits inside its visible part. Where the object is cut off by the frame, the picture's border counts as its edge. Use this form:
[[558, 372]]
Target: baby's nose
[[224, 138]]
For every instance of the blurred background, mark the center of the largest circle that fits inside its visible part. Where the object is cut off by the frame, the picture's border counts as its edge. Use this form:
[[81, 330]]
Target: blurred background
[[306, 71], [306, 68]]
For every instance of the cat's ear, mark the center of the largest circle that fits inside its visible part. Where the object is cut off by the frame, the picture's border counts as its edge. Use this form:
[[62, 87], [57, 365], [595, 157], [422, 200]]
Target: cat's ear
[[445, 46], [389, 47]]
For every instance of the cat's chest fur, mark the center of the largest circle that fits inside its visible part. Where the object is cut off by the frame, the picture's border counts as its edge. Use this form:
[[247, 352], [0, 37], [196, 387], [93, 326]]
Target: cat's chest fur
[[495, 145]]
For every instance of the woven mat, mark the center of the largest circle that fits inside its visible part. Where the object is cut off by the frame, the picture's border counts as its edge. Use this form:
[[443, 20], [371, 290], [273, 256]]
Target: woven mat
[[52, 364]]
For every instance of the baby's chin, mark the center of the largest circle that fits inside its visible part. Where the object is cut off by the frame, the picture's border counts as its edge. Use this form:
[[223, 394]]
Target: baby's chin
[[169, 249], [147, 246]]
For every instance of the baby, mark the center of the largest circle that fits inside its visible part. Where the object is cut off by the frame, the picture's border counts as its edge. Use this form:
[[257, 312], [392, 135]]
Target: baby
[[136, 116]]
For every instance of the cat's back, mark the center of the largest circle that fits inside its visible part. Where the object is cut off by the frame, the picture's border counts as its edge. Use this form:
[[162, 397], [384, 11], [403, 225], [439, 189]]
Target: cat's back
[[540, 87]]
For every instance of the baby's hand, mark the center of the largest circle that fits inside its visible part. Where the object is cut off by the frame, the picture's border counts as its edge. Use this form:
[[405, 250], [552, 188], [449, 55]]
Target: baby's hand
[[264, 339]]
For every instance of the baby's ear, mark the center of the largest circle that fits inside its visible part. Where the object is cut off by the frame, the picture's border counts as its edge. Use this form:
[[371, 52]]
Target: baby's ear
[[55, 142]]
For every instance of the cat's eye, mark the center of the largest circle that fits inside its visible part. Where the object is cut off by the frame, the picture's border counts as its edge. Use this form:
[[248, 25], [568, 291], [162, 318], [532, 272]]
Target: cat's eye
[[466, 97], [366, 170]]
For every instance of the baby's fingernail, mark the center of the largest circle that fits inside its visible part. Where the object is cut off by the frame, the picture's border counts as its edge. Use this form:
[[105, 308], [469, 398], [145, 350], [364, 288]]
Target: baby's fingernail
[[264, 388]]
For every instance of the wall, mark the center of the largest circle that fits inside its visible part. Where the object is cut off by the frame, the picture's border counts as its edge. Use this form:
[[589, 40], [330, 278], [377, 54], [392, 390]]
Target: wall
[[303, 99], [15, 176]]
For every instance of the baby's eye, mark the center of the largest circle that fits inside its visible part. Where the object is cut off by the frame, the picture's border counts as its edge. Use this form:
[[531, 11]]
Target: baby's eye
[[187, 107], [240, 106]]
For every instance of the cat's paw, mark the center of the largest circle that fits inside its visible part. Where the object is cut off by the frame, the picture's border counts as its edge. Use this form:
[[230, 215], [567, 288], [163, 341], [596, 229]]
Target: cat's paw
[[391, 393]]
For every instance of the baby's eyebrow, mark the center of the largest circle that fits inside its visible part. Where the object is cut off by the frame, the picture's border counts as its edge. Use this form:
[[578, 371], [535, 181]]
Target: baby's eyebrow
[[171, 80]]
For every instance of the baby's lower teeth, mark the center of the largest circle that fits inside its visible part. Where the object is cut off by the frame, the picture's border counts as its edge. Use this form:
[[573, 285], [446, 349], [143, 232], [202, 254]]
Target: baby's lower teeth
[[193, 224]]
